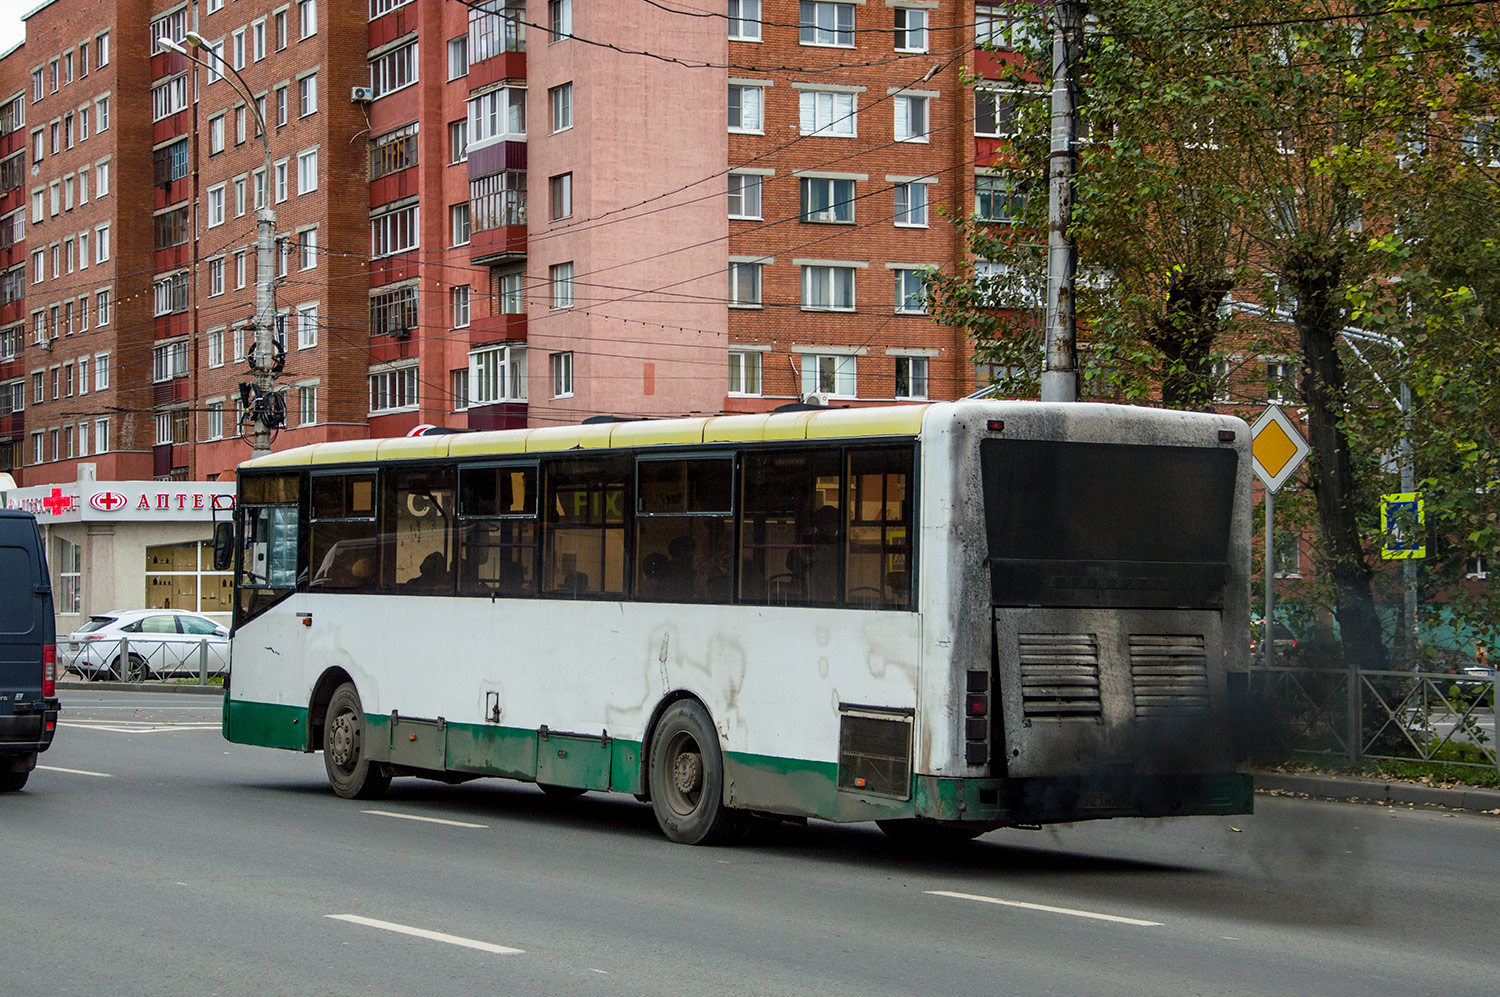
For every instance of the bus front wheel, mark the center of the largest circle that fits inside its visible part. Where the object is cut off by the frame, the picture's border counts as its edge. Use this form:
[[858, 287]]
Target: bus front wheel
[[686, 778], [350, 771]]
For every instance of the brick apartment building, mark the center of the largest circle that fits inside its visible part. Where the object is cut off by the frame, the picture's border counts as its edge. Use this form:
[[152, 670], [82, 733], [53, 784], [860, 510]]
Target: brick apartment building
[[488, 215]]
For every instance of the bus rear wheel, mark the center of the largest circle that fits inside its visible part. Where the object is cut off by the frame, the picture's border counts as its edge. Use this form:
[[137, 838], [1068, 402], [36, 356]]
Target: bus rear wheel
[[686, 778], [350, 771]]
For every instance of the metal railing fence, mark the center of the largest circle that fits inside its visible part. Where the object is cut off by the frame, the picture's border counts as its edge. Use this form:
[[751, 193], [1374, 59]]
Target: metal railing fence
[[143, 658]]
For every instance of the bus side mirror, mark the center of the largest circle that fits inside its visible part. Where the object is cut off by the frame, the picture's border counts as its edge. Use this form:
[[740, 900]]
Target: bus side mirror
[[223, 546]]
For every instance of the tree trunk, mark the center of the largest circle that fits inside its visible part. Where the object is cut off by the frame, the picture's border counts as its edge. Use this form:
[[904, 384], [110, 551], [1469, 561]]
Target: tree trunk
[[1184, 334], [1316, 275]]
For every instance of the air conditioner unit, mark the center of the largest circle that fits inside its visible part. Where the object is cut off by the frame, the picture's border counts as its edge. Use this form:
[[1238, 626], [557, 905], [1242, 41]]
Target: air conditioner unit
[[400, 332], [816, 399], [361, 95]]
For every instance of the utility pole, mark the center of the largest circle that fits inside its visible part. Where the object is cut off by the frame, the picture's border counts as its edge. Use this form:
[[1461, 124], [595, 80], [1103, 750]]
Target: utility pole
[[1060, 369], [264, 406]]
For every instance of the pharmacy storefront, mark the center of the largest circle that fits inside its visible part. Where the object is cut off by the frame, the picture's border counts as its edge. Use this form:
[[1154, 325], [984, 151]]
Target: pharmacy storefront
[[131, 545]]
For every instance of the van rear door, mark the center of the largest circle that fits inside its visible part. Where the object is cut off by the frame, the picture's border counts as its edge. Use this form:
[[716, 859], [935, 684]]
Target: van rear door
[[27, 637]]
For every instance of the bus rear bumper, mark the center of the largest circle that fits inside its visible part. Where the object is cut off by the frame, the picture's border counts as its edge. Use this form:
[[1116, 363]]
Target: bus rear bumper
[[1057, 800]]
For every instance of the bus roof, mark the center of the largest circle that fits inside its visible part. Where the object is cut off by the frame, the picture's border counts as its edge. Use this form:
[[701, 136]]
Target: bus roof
[[890, 420]]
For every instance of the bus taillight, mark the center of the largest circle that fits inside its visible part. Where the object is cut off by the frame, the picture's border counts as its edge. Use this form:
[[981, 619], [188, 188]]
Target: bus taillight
[[49, 670]]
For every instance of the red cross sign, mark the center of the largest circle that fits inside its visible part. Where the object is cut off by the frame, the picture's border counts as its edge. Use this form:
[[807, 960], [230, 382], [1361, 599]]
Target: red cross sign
[[57, 503]]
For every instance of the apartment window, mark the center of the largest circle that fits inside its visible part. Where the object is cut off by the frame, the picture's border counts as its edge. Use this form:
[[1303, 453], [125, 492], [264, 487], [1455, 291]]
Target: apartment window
[[997, 113], [259, 178], [744, 20], [307, 326], [911, 204], [458, 216], [827, 200], [216, 277], [911, 119], [744, 285], [458, 57], [101, 436], [828, 374], [307, 95], [307, 404], [827, 288], [168, 98], [101, 179], [38, 146], [394, 312], [458, 140], [997, 198], [172, 227], [744, 195], [498, 114], [495, 374], [458, 299], [459, 388], [239, 197], [393, 151], [101, 313], [173, 26], [744, 372], [911, 30], [307, 248], [911, 292], [281, 181], [307, 17], [562, 375], [826, 112], [38, 207], [68, 130], [394, 70], [216, 206], [171, 295], [560, 100], [560, 18], [237, 49], [394, 231], [101, 250], [241, 113], [169, 361], [83, 186], [83, 123], [827, 23], [281, 107], [378, 7], [239, 270], [38, 389], [307, 171], [393, 390], [258, 40], [38, 86], [561, 275], [509, 291], [1281, 382], [169, 163], [496, 26], [83, 370], [746, 109], [101, 115], [561, 190], [216, 347], [498, 199], [38, 448]]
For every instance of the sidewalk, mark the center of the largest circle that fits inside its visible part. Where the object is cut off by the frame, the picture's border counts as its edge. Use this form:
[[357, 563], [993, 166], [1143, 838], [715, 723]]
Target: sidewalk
[[1378, 791], [170, 687]]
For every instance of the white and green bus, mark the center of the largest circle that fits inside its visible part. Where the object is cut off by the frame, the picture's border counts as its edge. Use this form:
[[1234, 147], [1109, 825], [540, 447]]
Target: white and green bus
[[946, 618]]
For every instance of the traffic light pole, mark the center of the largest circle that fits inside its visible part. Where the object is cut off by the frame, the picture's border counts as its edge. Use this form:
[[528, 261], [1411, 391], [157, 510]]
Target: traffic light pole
[[1060, 368]]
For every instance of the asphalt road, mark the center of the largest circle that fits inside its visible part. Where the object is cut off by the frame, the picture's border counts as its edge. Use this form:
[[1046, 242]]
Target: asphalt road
[[146, 855]]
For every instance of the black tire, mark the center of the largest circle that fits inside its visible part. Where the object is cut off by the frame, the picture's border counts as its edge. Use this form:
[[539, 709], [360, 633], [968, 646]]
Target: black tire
[[928, 834], [350, 771], [561, 792], [686, 779], [135, 670], [12, 781]]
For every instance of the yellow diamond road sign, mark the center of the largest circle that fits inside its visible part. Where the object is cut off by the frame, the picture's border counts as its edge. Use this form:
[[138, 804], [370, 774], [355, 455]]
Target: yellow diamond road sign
[[1277, 446]]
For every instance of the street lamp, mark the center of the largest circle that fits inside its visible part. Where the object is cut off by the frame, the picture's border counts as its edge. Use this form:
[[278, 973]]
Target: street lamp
[[265, 228]]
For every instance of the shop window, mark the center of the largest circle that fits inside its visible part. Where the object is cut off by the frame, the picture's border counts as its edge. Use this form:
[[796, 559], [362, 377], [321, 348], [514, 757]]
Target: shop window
[[69, 596], [182, 576]]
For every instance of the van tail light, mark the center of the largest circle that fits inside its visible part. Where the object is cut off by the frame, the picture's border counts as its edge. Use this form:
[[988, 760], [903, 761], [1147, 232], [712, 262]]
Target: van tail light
[[49, 671]]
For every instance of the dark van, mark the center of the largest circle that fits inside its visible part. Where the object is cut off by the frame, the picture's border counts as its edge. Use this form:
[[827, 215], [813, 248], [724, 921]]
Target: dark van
[[28, 650]]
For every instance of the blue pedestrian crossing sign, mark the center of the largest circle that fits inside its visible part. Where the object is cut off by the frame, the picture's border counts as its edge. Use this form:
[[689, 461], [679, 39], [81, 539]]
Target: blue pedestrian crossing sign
[[1402, 518]]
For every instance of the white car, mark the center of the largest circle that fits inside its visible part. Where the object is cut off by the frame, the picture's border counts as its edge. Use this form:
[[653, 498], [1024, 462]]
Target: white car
[[157, 643]]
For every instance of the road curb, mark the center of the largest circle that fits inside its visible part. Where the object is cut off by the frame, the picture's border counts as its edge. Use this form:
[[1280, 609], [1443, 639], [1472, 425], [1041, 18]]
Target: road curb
[[1378, 791], [176, 690]]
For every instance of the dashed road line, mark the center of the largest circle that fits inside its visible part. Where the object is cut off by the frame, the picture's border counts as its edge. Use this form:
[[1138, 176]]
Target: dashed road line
[[425, 820], [1046, 909], [436, 936], [96, 775]]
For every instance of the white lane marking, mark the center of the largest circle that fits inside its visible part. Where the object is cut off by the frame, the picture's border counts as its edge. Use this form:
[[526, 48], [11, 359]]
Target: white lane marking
[[135, 727], [426, 820], [166, 704], [1043, 907], [96, 775], [436, 936]]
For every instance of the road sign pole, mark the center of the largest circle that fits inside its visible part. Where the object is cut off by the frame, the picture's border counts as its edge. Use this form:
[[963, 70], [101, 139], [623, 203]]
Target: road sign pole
[[1269, 639]]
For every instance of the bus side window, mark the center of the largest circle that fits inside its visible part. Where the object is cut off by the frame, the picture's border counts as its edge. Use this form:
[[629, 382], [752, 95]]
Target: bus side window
[[583, 553], [417, 539], [877, 559], [497, 521], [789, 528], [684, 549], [345, 547]]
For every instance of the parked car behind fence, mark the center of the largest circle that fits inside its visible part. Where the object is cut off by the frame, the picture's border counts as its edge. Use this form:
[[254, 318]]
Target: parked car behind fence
[[146, 643]]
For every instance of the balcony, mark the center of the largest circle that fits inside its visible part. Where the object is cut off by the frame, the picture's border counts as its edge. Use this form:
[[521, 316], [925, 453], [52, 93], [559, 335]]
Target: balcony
[[497, 329], [167, 392], [501, 244]]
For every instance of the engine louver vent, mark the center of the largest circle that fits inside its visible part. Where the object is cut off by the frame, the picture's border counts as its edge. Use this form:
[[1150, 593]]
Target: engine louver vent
[[1169, 673], [1059, 676], [875, 754]]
